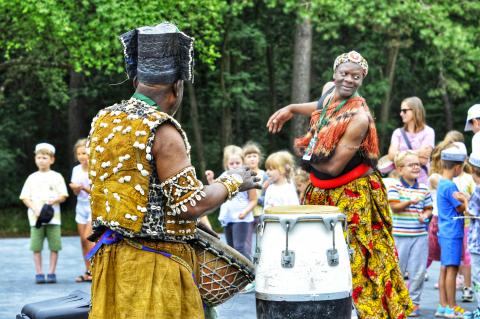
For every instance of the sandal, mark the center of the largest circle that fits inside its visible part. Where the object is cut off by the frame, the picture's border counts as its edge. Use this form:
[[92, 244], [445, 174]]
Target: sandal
[[87, 277]]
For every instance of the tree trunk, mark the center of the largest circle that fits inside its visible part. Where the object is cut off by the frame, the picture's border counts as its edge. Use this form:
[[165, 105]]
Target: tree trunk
[[385, 112], [447, 104], [197, 132], [77, 124], [301, 74], [226, 133], [272, 90]]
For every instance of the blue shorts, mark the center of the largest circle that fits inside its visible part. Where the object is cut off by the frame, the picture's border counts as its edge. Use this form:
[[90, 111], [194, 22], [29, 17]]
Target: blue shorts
[[450, 251]]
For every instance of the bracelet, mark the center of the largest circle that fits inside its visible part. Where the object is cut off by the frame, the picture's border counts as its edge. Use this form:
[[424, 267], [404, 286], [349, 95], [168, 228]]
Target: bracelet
[[230, 184]]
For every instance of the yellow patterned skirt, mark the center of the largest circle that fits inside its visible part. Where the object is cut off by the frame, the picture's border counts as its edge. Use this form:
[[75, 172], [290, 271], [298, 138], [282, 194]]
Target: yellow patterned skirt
[[378, 287], [132, 283]]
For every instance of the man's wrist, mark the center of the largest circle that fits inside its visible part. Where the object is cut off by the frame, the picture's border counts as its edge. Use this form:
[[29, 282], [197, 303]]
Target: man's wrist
[[231, 184]]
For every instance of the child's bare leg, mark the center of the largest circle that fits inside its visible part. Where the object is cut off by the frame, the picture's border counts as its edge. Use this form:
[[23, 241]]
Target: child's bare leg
[[37, 258], [450, 285], [84, 231], [466, 271], [53, 261], [441, 286]]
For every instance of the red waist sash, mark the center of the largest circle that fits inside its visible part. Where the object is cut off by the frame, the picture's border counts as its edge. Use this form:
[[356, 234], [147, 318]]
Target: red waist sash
[[339, 180]]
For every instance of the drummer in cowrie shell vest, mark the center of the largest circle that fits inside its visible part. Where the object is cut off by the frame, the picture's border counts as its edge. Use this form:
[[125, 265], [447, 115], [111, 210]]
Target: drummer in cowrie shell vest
[[340, 150], [145, 195]]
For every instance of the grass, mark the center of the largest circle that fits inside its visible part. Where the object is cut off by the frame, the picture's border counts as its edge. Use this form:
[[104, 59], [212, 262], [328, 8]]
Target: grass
[[14, 222]]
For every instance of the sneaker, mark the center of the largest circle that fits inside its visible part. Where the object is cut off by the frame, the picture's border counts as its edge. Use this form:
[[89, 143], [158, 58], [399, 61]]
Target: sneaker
[[457, 312], [415, 312], [40, 278], [476, 314], [248, 288], [51, 279], [440, 313], [467, 295]]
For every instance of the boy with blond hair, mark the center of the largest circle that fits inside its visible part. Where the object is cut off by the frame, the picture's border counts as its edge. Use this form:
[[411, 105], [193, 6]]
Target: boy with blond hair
[[42, 188], [411, 204]]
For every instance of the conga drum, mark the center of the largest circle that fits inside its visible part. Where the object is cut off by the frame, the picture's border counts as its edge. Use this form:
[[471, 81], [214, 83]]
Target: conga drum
[[302, 264]]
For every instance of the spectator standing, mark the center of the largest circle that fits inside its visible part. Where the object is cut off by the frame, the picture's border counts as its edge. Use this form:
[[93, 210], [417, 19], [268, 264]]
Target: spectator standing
[[450, 204], [80, 185], [280, 170], [473, 124], [474, 231], [236, 214], [415, 134], [253, 158], [412, 209], [44, 187]]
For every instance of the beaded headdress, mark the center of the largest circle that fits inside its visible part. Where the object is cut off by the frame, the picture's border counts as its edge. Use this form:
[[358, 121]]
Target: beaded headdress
[[158, 54], [353, 57]]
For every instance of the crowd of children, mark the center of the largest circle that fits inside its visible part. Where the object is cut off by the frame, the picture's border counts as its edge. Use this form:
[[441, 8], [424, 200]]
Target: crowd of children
[[441, 218]]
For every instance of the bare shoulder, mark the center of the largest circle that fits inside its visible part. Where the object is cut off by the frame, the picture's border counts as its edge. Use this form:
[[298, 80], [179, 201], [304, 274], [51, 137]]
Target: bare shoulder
[[167, 136], [169, 151], [360, 120]]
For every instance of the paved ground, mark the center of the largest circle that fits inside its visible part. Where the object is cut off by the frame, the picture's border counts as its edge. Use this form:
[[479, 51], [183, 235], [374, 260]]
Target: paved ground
[[17, 285]]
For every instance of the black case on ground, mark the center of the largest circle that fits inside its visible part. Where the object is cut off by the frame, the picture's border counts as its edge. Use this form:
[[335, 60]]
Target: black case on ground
[[73, 306]]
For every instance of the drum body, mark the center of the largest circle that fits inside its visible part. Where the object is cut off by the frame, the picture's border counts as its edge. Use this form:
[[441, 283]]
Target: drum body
[[308, 277], [223, 270]]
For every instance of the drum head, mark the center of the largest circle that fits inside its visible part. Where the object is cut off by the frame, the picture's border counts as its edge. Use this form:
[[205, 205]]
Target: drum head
[[303, 209]]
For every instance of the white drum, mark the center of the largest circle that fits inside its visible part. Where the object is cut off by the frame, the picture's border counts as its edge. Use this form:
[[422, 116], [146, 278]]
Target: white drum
[[303, 263]]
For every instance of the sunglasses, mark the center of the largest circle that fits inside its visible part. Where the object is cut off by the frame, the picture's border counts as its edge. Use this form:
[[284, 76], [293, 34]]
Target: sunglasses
[[404, 110]]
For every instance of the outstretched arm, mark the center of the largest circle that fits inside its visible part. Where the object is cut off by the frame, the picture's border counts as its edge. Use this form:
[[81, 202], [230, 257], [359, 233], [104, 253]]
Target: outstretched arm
[[346, 148], [283, 115]]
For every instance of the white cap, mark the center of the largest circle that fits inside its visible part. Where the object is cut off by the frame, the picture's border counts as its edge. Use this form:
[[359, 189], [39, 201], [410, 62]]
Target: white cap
[[473, 113], [456, 153], [45, 146], [475, 159]]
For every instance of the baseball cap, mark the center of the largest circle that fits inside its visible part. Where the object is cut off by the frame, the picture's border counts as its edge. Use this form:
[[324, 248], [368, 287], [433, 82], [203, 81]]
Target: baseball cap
[[455, 153], [474, 159], [473, 113], [46, 215]]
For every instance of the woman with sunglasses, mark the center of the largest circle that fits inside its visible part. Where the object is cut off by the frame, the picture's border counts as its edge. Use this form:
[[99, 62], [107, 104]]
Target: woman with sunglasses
[[415, 135]]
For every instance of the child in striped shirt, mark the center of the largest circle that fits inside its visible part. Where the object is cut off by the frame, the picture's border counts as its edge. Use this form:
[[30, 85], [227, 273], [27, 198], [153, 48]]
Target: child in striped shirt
[[411, 204]]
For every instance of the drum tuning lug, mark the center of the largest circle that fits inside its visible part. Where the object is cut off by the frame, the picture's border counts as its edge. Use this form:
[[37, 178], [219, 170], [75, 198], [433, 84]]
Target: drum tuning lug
[[332, 257], [288, 258]]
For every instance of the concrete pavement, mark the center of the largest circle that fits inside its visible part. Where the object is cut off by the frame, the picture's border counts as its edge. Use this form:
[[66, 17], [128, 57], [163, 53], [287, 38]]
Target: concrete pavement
[[17, 286]]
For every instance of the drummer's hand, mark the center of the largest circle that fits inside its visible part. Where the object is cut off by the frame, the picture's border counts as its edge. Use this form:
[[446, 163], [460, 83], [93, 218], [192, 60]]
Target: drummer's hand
[[249, 177], [278, 119]]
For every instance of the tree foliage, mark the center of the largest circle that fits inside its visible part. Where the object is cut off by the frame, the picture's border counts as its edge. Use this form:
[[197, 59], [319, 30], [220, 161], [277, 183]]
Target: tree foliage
[[244, 53]]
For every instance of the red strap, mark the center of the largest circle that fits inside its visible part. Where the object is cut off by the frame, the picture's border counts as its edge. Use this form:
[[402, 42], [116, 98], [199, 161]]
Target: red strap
[[339, 180]]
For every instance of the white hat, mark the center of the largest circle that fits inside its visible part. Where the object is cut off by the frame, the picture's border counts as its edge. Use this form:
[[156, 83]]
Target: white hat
[[45, 146], [473, 113], [456, 153], [475, 159]]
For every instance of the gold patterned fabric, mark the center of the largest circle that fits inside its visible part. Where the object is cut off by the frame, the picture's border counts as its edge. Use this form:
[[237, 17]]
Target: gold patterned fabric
[[378, 287], [126, 194], [166, 288]]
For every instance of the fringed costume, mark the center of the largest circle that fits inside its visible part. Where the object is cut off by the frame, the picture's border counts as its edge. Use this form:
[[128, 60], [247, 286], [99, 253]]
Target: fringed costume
[[378, 287]]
